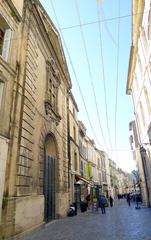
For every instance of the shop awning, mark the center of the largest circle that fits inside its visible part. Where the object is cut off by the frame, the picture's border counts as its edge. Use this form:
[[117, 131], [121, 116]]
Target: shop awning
[[78, 177]]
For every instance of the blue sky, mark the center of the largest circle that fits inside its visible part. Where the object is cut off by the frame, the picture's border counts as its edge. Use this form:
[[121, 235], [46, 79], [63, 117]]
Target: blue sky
[[89, 70]]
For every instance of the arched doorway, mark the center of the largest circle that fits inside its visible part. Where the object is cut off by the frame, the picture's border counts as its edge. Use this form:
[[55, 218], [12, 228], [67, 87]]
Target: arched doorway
[[49, 177]]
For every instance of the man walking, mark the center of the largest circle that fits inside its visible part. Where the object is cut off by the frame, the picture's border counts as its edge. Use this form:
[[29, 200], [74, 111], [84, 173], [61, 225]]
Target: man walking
[[111, 201], [128, 199], [102, 202]]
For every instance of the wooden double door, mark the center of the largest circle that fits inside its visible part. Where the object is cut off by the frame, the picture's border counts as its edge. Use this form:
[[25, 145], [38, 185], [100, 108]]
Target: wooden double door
[[49, 188]]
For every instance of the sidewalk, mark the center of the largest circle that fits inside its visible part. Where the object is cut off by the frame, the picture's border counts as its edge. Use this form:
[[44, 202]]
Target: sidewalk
[[119, 223]]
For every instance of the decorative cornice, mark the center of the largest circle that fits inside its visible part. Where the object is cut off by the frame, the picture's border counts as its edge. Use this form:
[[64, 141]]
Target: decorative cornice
[[14, 10], [51, 113]]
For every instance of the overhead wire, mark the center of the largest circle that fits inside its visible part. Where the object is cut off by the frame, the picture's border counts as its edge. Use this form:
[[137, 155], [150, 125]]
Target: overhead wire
[[117, 77], [104, 79], [73, 69], [90, 72], [106, 27], [103, 20], [89, 23]]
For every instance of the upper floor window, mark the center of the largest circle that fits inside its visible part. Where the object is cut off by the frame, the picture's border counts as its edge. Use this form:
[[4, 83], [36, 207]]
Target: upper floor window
[[139, 68], [75, 162], [53, 81], [142, 113], [74, 133], [5, 36], [98, 161], [82, 168], [136, 81], [103, 176], [52, 92], [147, 100], [145, 43], [103, 161], [1, 40], [149, 25], [73, 112], [84, 152], [80, 147], [100, 178], [1, 91]]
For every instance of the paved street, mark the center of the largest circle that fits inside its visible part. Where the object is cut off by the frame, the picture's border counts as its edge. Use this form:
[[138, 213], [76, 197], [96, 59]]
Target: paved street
[[120, 223]]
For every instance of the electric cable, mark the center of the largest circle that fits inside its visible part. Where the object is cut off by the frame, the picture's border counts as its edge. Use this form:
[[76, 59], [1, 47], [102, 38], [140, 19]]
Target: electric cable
[[104, 79], [106, 27], [103, 20], [73, 69], [90, 72], [117, 78]]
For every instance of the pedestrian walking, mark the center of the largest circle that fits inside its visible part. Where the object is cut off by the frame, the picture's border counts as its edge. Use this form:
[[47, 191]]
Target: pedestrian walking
[[128, 199], [88, 200], [102, 202], [95, 205], [137, 199], [111, 201]]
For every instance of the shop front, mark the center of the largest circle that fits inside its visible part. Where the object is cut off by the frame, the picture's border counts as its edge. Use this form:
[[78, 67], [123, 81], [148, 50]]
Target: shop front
[[81, 190]]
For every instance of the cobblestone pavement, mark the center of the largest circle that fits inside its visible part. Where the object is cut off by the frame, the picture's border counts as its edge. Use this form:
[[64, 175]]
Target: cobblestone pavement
[[119, 223]]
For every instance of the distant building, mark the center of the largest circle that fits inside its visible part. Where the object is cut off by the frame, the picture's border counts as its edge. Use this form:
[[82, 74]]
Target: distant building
[[73, 147], [113, 177]]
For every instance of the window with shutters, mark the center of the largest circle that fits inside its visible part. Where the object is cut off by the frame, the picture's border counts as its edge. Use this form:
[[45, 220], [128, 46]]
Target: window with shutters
[[5, 36]]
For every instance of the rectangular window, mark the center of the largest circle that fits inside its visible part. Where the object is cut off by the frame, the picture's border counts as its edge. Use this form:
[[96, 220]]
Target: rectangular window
[[142, 113], [82, 168], [75, 162], [100, 178], [104, 176], [98, 163], [80, 149], [5, 36], [1, 40], [1, 92], [74, 133], [147, 100], [52, 93], [6, 44], [149, 25], [103, 161]]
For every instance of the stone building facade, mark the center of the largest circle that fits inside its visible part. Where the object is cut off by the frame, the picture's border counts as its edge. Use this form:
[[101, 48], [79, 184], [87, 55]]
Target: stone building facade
[[73, 141], [139, 87], [34, 125], [10, 21]]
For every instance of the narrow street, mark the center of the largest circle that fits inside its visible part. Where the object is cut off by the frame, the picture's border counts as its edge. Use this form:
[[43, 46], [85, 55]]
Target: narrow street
[[119, 223]]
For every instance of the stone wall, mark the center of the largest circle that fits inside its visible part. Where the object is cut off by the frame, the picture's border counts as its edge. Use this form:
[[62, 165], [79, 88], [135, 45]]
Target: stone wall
[[3, 157]]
